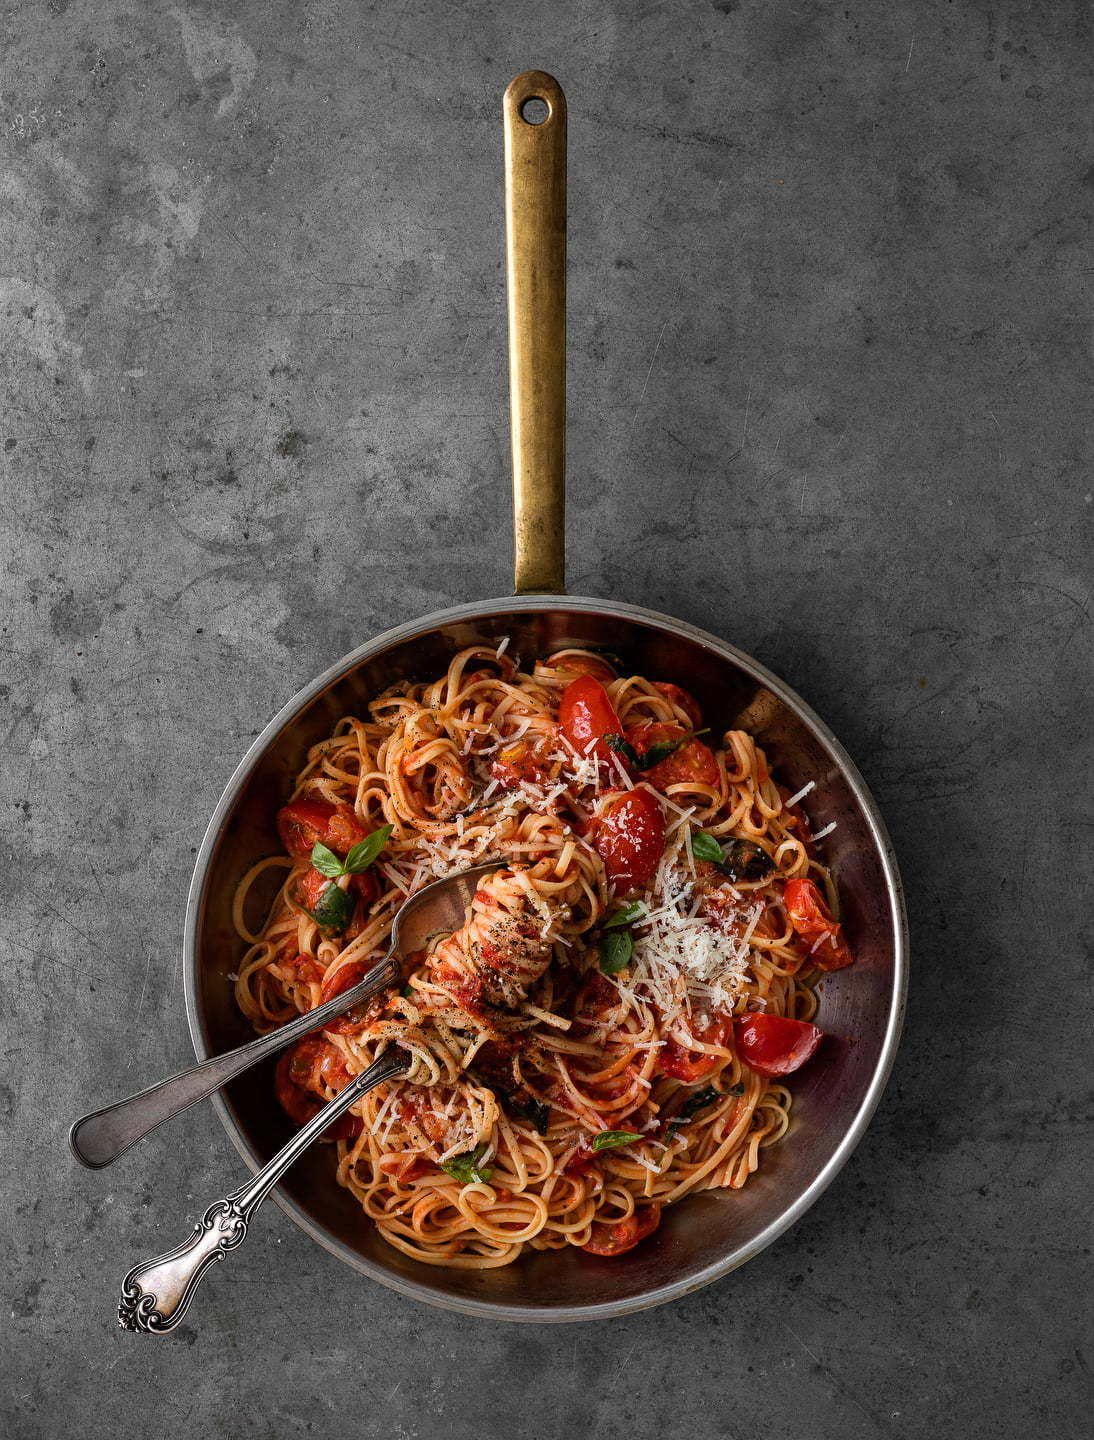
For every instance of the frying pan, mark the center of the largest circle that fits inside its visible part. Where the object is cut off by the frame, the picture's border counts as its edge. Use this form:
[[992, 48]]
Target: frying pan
[[708, 1234]]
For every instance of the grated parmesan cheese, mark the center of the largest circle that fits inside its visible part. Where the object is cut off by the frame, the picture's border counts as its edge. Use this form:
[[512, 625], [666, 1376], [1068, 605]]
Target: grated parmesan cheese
[[682, 959], [384, 1108], [395, 877], [628, 783], [802, 793], [648, 1164]]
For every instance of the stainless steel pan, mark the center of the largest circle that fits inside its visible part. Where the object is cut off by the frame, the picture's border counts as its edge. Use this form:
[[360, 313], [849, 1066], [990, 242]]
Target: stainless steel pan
[[707, 1235]]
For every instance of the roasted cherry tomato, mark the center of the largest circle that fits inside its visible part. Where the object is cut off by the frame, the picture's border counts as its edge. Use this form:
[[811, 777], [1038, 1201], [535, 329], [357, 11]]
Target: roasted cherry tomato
[[629, 837], [594, 1001], [813, 923], [692, 764], [581, 1159], [676, 695], [586, 714], [686, 1065], [624, 1235], [807, 908], [299, 1104], [304, 969], [521, 761], [298, 1083], [303, 822], [351, 1020], [691, 1065], [312, 886], [344, 978], [318, 1063], [583, 665], [774, 1044], [833, 952], [405, 1168], [346, 1127]]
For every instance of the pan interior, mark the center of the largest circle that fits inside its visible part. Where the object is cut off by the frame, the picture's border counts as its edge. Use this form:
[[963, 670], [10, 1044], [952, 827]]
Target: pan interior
[[707, 1234]]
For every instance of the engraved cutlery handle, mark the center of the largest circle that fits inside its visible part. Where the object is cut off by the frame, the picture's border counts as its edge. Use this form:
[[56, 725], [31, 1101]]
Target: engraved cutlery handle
[[157, 1294]]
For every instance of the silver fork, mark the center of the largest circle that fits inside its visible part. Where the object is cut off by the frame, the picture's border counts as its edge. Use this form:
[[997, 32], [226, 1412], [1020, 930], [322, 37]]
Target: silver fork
[[157, 1294]]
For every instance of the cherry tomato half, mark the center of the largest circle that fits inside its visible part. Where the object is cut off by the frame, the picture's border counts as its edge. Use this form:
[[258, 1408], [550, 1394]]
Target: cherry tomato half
[[692, 764], [691, 1065], [624, 1235], [812, 921], [586, 714], [311, 887], [298, 1084], [629, 837], [343, 979], [833, 952], [808, 909], [522, 761], [581, 1159], [774, 1044], [303, 822], [678, 696], [297, 1102], [303, 969], [405, 1168], [681, 1064]]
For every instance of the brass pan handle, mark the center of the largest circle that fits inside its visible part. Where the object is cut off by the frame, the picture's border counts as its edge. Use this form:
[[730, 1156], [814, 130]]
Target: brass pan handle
[[535, 236]]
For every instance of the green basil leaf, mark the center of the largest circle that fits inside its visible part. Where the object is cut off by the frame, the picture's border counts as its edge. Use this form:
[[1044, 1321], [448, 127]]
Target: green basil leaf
[[705, 847], [616, 950], [658, 751], [537, 1112], [530, 1109], [626, 749], [335, 909], [699, 1101], [365, 851], [326, 861], [609, 1139], [407, 992], [661, 750], [466, 1168], [626, 916], [746, 861]]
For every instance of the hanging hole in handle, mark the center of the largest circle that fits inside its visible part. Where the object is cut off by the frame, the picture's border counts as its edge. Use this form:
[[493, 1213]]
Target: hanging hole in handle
[[535, 110]]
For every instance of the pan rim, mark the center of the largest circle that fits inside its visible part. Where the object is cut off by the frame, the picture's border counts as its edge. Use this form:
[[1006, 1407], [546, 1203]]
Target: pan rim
[[494, 1310]]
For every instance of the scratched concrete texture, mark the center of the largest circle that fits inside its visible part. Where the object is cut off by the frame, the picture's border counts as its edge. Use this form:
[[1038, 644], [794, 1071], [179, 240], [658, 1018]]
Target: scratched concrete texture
[[829, 377]]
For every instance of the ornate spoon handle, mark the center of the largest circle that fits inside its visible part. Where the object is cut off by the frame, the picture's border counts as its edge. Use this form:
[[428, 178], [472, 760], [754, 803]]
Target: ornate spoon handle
[[157, 1294], [99, 1138]]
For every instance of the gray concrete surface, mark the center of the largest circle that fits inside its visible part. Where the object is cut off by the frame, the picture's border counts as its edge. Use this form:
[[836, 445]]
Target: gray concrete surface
[[830, 370]]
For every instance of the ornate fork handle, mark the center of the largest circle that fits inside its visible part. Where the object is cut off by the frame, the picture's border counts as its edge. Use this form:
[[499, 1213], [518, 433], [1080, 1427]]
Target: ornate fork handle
[[99, 1138], [157, 1294]]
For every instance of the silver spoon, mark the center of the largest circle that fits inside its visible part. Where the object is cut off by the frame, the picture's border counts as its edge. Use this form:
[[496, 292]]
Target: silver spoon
[[99, 1138]]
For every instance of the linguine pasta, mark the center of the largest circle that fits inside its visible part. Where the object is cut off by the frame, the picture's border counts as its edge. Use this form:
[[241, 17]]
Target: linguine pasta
[[577, 1060]]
